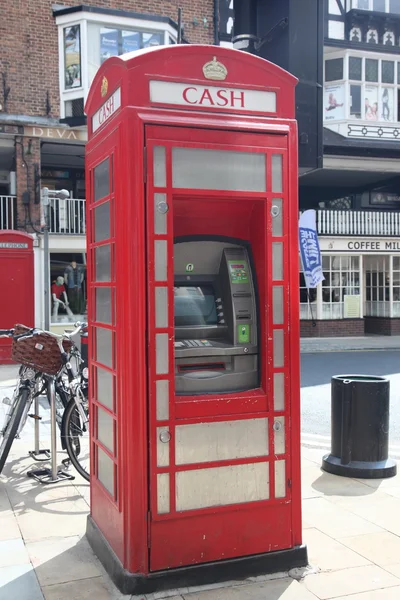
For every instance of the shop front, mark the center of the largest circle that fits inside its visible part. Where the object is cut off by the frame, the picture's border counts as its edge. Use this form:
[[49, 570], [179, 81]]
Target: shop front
[[361, 291]]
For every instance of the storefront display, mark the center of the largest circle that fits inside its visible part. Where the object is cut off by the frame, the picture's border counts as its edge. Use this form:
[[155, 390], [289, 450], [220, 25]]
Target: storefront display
[[68, 287]]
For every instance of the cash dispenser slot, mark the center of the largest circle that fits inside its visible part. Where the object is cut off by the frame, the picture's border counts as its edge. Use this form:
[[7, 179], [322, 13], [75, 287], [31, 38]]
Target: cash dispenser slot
[[216, 345]]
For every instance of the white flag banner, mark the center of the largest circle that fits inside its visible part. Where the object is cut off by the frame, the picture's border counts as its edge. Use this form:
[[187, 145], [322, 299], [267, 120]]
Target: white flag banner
[[309, 249]]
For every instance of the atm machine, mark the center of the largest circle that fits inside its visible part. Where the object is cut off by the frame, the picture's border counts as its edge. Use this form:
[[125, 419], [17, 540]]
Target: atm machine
[[215, 308]]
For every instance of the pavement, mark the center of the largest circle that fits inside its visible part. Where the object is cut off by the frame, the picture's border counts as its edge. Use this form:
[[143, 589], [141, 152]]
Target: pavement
[[345, 344], [351, 528]]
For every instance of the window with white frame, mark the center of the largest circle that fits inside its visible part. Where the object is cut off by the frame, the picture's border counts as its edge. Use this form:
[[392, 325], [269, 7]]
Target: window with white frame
[[362, 87], [86, 40], [342, 278], [388, 6], [377, 286]]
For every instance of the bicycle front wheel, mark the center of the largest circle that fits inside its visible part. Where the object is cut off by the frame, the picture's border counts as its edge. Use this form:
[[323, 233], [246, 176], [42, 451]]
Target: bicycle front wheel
[[11, 427], [76, 437]]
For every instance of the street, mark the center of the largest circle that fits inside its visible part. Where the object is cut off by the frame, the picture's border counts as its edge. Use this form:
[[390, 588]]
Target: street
[[316, 372]]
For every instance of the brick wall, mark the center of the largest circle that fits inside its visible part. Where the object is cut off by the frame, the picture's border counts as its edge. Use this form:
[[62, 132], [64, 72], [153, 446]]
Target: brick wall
[[382, 326], [29, 45], [332, 328]]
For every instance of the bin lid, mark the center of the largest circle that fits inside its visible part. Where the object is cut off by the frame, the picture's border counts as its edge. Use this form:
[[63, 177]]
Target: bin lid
[[363, 378]]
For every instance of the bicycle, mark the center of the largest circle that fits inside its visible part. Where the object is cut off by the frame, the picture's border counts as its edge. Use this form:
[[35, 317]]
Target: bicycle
[[48, 365]]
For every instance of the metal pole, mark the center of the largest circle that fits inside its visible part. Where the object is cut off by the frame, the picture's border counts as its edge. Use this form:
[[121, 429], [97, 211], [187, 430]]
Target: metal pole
[[46, 258], [37, 448], [53, 430]]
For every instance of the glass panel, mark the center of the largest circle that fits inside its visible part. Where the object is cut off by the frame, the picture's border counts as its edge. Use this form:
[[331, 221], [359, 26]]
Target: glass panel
[[105, 429], [102, 257], [104, 312], [160, 259], [160, 214], [379, 5], [279, 359], [277, 261], [280, 479], [105, 471], [160, 169], [163, 493], [162, 399], [387, 104], [277, 305], [102, 222], [387, 71], [371, 69], [396, 263], [161, 301], [279, 435], [277, 217], [279, 391], [104, 351], [277, 173], [362, 4], [72, 57], [334, 69], [101, 178], [105, 388], [355, 101], [394, 6], [162, 353], [355, 68], [162, 447], [201, 169]]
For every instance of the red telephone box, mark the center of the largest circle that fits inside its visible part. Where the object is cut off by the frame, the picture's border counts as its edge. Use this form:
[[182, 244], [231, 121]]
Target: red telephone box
[[193, 316], [17, 298]]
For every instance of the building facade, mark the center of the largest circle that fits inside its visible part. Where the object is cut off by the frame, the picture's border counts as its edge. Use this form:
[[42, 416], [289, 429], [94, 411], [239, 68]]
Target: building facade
[[50, 53], [357, 191], [348, 64]]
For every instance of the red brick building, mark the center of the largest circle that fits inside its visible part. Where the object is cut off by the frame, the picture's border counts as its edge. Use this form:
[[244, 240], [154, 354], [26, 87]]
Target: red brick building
[[49, 56]]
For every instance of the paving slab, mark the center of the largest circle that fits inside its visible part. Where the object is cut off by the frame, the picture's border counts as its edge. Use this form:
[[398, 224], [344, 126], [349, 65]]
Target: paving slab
[[380, 548], [276, 589], [83, 589], [386, 594], [328, 554], [13, 552], [349, 581], [61, 560], [19, 582], [334, 520]]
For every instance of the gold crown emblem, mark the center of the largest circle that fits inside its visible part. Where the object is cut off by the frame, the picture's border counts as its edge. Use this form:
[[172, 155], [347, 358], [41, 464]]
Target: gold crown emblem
[[215, 70], [104, 87]]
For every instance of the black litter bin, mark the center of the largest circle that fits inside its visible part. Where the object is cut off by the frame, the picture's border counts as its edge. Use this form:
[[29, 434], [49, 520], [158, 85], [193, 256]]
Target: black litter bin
[[360, 428]]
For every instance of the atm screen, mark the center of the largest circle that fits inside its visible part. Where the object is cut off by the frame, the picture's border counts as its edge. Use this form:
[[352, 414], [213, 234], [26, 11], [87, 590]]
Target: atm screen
[[195, 305]]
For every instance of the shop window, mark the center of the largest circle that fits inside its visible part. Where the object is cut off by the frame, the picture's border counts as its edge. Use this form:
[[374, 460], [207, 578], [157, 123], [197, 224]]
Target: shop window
[[379, 5], [355, 68], [334, 69], [377, 286], [308, 300], [371, 69], [342, 278], [355, 101], [387, 75], [394, 6], [68, 287]]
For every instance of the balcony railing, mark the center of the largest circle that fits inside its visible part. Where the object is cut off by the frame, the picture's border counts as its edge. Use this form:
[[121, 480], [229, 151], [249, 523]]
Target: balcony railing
[[8, 212], [67, 217], [358, 222]]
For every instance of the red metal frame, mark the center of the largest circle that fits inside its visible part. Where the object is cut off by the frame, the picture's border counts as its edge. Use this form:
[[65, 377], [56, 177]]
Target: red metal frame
[[129, 521]]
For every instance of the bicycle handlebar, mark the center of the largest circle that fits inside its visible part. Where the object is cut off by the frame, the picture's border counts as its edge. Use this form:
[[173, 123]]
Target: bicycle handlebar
[[6, 333], [57, 336]]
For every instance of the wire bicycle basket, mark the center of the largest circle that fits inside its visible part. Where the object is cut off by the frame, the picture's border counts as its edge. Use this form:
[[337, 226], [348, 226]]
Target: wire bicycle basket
[[41, 352]]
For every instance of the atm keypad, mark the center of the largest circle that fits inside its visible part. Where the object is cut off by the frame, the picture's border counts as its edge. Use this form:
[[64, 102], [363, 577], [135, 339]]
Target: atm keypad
[[193, 344]]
